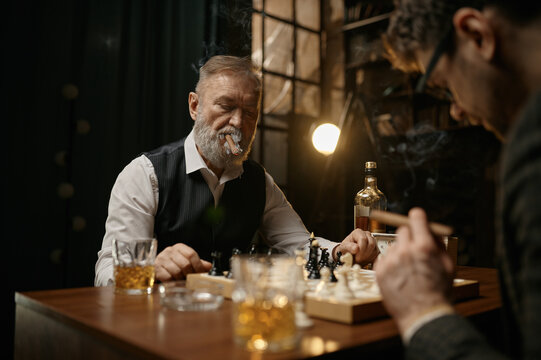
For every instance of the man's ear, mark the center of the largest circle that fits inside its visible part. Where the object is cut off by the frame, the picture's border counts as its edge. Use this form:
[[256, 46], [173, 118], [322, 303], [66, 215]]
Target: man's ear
[[472, 25], [193, 103]]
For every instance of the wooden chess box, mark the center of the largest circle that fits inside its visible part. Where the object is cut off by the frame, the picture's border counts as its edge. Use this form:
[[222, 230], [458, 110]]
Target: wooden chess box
[[370, 306], [365, 306]]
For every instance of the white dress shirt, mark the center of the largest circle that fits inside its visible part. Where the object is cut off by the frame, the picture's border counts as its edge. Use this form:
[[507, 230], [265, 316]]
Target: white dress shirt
[[134, 203]]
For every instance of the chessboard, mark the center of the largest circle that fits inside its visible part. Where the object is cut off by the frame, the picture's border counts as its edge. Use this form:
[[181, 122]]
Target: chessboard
[[354, 298], [362, 301]]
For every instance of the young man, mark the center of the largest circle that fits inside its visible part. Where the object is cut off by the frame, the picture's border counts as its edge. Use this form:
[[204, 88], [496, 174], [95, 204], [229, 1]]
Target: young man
[[200, 194], [488, 55]]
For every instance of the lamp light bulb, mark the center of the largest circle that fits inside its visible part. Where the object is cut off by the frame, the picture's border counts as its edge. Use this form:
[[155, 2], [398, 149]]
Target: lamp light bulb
[[325, 138]]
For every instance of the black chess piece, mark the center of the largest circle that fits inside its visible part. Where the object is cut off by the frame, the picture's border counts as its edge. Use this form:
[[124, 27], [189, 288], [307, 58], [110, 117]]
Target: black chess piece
[[338, 256], [330, 263], [216, 269], [234, 252], [312, 249], [324, 260], [309, 263], [333, 266], [253, 249], [313, 254], [313, 260], [314, 273]]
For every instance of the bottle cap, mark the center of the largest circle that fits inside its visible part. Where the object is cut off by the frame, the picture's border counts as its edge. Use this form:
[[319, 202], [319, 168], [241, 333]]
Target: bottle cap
[[370, 165], [370, 168]]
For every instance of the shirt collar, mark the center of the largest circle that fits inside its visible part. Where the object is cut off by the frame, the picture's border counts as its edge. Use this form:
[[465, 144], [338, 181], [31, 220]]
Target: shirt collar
[[195, 162]]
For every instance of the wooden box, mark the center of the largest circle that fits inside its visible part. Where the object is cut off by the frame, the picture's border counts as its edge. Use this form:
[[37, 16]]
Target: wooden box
[[370, 307]]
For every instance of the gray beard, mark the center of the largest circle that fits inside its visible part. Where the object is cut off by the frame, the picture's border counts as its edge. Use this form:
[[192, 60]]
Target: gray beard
[[209, 143]]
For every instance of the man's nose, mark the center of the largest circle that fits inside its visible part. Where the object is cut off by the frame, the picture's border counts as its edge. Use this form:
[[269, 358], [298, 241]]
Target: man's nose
[[236, 118]]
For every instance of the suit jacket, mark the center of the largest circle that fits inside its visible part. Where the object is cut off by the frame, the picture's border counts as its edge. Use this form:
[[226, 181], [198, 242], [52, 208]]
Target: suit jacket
[[519, 258]]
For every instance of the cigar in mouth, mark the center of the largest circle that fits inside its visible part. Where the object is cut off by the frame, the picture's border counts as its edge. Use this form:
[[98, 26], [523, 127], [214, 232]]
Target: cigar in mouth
[[233, 146], [394, 219]]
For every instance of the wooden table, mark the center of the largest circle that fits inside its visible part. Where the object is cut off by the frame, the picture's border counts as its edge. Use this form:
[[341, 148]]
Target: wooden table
[[96, 323]]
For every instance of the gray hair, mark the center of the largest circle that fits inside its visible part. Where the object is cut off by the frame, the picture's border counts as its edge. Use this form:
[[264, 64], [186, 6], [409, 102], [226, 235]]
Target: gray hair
[[223, 63]]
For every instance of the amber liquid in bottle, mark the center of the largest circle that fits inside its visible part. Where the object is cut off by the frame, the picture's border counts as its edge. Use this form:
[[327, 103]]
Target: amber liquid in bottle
[[368, 199]]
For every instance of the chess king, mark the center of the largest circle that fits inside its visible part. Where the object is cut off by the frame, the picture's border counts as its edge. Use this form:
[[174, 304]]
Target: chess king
[[202, 194]]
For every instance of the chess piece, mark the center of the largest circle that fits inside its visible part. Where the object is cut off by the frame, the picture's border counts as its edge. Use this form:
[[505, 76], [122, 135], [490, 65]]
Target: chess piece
[[324, 260], [253, 249], [313, 254], [314, 273], [301, 262], [347, 260], [216, 269], [314, 268], [342, 292], [338, 256], [356, 284], [334, 266], [234, 252], [301, 318], [322, 289], [312, 265]]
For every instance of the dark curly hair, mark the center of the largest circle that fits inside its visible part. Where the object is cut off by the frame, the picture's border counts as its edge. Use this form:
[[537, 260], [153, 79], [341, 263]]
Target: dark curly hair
[[420, 24]]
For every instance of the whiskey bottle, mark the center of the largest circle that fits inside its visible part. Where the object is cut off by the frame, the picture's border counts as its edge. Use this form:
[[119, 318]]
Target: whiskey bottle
[[369, 198]]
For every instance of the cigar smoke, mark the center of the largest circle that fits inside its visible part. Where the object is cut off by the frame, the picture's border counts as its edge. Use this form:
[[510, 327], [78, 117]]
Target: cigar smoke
[[232, 143]]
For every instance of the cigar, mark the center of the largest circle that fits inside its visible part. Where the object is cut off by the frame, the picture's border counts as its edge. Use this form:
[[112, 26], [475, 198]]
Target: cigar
[[235, 149], [394, 219]]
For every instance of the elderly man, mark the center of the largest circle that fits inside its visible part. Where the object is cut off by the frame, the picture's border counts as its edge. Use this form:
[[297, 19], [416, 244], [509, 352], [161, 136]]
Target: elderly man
[[487, 53], [202, 193]]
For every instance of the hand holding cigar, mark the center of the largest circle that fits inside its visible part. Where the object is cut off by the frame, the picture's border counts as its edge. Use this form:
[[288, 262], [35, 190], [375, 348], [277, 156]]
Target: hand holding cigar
[[235, 149], [394, 219]]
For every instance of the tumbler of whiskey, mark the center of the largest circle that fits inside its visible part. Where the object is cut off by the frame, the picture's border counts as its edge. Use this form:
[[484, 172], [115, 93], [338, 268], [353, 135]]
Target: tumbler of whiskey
[[133, 261], [264, 303]]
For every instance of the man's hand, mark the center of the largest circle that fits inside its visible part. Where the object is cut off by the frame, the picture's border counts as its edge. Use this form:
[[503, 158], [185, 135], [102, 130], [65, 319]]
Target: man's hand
[[176, 261], [361, 244], [415, 275]]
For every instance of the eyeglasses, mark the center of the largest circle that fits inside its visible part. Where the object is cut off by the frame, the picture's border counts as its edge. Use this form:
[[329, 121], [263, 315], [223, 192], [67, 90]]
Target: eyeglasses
[[442, 47]]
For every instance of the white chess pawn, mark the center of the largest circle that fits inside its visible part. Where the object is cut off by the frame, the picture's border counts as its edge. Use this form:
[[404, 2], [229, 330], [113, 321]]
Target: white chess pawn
[[322, 289], [356, 284], [342, 290], [302, 320]]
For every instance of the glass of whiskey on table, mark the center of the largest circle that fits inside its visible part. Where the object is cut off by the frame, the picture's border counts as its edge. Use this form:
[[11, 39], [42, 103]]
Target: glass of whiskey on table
[[264, 303], [133, 261]]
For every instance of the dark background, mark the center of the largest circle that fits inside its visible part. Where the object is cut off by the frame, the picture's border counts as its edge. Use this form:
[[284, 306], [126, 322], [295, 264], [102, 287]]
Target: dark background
[[88, 86]]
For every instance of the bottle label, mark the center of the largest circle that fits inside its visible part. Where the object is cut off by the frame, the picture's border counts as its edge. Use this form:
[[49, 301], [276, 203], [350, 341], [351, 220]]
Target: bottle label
[[362, 210], [363, 222], [361, 217]]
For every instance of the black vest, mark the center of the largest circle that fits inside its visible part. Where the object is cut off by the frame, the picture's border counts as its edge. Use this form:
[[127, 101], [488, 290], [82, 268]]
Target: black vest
[[186, 212]]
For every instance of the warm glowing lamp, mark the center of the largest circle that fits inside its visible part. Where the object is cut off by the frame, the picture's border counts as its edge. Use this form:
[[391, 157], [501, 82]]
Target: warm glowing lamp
[[325, 138]]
